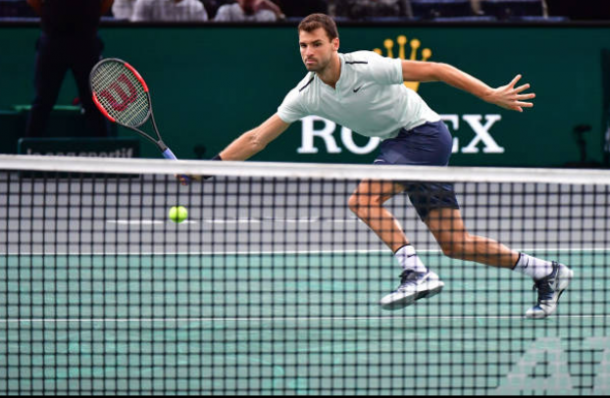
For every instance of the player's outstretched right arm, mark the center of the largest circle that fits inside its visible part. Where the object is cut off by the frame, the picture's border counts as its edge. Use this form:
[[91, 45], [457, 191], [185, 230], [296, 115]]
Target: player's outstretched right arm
[[255, 140]]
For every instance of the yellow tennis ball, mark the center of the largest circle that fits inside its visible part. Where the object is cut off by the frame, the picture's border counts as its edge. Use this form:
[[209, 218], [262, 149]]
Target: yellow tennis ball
[[178, 214]]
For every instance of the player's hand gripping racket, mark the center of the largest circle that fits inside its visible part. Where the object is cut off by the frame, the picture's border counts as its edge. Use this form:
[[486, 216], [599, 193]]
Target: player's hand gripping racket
[[121, 94]]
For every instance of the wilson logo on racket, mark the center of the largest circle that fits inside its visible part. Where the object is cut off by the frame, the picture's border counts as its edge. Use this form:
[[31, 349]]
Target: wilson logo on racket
[[117, 88], [121, 94]]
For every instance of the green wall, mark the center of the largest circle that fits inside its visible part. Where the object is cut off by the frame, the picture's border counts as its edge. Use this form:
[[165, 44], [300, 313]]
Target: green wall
[[211, 83]]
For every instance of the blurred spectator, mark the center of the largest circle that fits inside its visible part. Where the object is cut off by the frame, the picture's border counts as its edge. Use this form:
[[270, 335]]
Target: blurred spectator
[[169, 11], [211, 6], [69, 41], [435, 9], [476, 6], [303, 8], [511, 9], [362, 9], [249, 11], [123, 9], [16, 9]]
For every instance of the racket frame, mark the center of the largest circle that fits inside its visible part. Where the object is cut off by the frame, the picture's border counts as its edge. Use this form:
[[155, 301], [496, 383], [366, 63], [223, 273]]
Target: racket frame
[[167, 153]]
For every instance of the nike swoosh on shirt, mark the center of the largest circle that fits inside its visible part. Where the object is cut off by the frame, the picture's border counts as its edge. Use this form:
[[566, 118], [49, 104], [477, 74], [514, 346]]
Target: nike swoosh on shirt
[[357, 89]]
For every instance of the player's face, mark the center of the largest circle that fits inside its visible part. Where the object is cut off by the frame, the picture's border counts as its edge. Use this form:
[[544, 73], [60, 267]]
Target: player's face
[[317, 49]]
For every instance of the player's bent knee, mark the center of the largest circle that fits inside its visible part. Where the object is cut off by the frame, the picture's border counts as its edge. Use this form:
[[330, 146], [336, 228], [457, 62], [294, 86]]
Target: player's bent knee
[[352, 203], [357, 206], [360, 204], [357, 201]]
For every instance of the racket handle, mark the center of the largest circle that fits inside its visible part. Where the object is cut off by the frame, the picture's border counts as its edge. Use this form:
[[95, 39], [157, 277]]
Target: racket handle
[[168, 154]]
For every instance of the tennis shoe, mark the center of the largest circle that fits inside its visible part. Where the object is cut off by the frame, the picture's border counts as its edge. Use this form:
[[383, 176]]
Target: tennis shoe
[[550, 289], [413, 286]]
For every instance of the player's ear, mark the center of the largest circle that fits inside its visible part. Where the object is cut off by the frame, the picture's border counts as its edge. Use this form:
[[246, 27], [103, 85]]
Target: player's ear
[[335, 43]]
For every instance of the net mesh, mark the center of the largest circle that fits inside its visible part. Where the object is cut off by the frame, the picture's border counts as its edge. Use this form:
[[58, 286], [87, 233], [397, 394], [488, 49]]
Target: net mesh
[[120, 93], [272, 285]]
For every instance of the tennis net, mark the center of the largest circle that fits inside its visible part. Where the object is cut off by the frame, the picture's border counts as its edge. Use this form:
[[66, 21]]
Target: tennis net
[[272, 285]]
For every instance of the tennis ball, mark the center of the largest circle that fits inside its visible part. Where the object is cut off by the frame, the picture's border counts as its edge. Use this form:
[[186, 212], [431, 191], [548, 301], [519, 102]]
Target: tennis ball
[[178, 214]]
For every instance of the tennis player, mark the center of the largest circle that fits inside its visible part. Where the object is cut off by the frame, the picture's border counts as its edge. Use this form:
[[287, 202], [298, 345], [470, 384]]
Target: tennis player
[[365, 92]]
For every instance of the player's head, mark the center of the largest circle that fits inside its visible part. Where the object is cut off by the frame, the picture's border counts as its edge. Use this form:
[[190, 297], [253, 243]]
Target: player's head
[[319, 41]]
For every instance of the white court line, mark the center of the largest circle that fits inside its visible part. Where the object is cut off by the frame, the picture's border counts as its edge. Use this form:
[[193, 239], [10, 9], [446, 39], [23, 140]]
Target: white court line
[[146, 222], [237, 221], [288, 252], [290, 319], [135, 222], [282, 220]]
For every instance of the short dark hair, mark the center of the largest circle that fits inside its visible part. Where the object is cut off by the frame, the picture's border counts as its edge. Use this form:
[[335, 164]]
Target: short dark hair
[[316, 21]]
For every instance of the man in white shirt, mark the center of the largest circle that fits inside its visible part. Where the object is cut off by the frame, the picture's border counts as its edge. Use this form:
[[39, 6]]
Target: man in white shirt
[[123, 9], [169, 11], [249, 11], [364, 92]]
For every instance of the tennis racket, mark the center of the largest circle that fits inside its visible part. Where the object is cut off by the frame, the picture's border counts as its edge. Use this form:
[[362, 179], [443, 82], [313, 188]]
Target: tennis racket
[[121, 94]]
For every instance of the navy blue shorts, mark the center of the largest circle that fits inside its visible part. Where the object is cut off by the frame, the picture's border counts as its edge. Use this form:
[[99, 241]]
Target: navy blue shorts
[[427, 145]]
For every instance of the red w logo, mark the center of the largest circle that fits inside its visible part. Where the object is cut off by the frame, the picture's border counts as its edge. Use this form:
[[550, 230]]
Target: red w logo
[[126, 99]]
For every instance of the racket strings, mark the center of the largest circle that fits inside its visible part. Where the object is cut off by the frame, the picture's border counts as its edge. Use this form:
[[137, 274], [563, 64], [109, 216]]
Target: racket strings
[[121, 94]]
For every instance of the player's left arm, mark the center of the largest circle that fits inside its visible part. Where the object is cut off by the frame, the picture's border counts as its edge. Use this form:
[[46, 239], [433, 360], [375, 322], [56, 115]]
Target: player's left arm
[[508, 96], [255, 140], [251, 142]]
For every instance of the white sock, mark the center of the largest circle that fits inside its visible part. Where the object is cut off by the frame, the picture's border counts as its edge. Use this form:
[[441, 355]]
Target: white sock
[[533, 267], [409, 260]]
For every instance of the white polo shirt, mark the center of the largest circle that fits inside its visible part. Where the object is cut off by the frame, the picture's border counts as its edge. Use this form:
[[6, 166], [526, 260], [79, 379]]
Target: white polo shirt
[[370, 98], [234, 13], [169, 11]]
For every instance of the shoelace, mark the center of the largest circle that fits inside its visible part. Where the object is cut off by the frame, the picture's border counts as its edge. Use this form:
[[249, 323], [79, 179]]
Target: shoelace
[[545, 291], [408, 276]]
